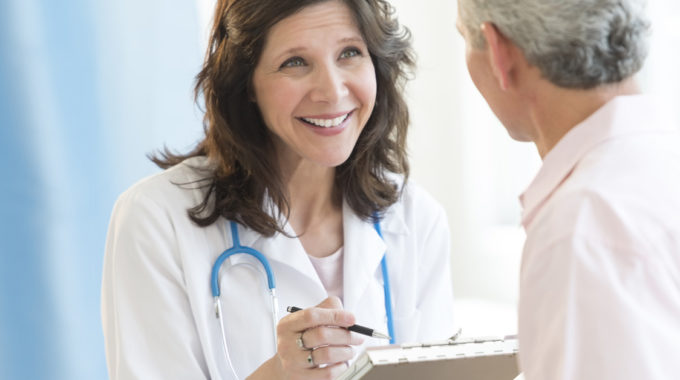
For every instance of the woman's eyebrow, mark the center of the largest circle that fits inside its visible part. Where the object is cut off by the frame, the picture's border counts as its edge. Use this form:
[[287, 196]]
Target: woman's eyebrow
[[298, 49], [292, 51], [351, 39]]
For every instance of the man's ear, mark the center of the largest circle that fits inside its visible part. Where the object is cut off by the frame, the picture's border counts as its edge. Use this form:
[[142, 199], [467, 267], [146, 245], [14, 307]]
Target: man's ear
[[500, 54]]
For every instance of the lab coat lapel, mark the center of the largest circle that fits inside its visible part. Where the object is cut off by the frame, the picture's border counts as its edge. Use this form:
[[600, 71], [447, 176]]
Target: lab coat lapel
[[283, 250], [363, 251]]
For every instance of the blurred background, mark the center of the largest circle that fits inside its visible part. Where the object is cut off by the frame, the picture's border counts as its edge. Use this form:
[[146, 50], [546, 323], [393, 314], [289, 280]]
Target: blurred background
[[88, 88]]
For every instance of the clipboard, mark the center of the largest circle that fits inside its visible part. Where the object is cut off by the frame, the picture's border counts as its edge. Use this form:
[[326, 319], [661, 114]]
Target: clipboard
[[465, 359]]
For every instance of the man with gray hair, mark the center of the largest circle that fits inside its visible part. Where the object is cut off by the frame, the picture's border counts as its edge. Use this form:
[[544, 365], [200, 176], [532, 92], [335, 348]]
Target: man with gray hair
[[600, 273]]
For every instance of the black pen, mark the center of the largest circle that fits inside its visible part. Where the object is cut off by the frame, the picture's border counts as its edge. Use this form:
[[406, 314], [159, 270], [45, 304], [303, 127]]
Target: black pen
[[356, 328]]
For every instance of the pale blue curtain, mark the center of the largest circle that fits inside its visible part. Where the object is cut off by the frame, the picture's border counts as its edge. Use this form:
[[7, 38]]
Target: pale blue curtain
[[87, 88]]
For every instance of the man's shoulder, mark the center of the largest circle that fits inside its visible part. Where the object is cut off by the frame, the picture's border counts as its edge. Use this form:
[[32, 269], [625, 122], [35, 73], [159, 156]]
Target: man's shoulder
[[603, 207]]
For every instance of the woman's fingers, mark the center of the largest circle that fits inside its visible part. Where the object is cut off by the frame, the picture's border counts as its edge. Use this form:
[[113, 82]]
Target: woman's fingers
[[331, 302], [316, 327], [327, 313], [330, 372], [319, 316], [329, 335], [326, 355], [316, 341], [296, 358]]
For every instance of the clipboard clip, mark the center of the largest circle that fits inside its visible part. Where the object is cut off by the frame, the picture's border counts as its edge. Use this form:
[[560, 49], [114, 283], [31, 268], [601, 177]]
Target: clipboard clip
[[455, 336]]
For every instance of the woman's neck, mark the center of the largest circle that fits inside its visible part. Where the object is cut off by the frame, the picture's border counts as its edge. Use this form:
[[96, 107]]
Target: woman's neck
[[315, 211], [310, 191]]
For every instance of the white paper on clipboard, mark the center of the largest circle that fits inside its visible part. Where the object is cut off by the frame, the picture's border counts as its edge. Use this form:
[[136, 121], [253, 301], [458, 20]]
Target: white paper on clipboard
[[469, 359]]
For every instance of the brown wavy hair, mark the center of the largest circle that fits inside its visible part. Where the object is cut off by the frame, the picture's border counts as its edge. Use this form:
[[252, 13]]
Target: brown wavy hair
[[245, 174]]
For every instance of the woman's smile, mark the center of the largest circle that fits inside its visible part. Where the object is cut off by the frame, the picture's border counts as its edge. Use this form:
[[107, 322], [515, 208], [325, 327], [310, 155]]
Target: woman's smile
[[327, 125]]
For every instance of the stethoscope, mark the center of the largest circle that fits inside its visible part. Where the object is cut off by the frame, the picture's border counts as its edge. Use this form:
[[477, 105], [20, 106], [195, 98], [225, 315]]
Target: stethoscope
[[237, 248]]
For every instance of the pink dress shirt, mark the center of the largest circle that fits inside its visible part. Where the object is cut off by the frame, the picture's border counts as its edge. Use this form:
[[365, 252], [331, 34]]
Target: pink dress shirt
[[600, 274]]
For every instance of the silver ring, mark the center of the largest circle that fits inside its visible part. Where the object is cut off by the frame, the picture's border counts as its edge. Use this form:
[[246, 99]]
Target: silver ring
[[310, 359], [300, 343]]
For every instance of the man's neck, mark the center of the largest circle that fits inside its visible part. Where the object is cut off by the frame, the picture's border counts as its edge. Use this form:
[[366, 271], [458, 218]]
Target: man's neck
[[557, 110]]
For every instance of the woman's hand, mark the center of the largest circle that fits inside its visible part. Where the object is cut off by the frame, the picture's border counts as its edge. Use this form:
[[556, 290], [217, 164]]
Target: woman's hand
[[313, 343]]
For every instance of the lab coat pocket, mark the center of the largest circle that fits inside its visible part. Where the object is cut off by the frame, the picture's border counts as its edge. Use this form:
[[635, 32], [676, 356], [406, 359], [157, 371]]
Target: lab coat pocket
[[406, 327]]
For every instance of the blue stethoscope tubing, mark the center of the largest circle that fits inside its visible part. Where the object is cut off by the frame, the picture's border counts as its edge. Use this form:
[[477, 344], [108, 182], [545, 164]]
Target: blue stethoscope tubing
[[386, 285], [237, 248]]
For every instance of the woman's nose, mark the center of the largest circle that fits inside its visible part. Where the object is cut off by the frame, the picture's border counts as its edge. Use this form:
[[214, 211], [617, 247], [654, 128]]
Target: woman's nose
[[329, 85]]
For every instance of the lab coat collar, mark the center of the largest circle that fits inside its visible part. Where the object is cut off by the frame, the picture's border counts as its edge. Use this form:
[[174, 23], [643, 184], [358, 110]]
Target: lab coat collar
[[285, 250], [363, 251], [621, 116]]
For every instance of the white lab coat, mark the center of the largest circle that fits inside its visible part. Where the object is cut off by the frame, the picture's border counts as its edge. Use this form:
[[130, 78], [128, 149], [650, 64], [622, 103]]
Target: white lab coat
[[157, 308]]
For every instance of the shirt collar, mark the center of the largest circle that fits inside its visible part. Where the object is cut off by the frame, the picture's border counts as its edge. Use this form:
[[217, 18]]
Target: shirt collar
[[622, 115]]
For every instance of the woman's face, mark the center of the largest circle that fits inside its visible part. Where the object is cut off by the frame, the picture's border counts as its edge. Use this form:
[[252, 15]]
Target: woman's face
[[315, 84]]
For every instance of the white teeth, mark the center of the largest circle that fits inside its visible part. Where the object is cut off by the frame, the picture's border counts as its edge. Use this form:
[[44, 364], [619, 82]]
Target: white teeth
[[326, 123]]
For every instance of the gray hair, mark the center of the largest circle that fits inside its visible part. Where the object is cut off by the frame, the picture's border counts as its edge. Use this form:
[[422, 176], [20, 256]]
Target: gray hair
[[574, 43]]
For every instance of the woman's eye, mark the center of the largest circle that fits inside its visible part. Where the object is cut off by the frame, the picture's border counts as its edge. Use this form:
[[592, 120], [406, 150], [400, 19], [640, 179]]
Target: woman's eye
[[350, 52], [293, 62]]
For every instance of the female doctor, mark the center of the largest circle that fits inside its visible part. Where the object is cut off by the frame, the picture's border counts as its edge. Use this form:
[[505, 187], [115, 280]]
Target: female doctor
[[304, 162]]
